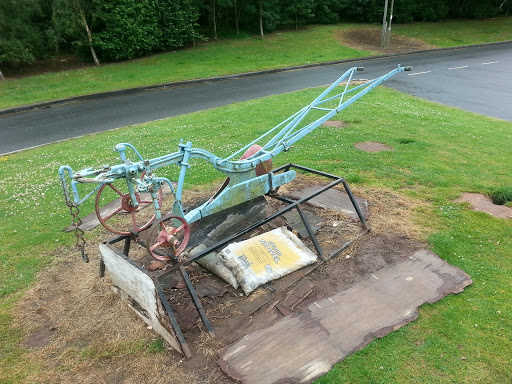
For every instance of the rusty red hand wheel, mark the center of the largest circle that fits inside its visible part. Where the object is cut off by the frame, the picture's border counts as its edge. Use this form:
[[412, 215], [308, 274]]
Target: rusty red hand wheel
[[167, 239], [123, 217]]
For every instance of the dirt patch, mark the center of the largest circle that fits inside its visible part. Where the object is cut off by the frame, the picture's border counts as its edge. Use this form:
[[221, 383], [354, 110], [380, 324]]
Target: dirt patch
[[372, 147], [78, 330], [335, 124], [481, 203], [38, 67], [370, 39]]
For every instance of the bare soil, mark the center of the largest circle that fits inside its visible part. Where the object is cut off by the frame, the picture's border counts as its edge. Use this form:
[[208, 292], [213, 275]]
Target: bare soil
[[372, 146], [335, 124], [78, 330], [481, 203], [55, 64], [369, 39]]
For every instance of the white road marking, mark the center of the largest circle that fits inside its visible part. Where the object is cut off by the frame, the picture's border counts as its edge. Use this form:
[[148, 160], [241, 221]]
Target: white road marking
[[418, 73], [375, 276], [317, 305], [330, 300], [490, 62], [464, 66]]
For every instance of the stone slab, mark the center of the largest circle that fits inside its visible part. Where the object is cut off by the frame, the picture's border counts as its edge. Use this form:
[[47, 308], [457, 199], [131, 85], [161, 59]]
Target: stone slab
[[333, 199], [294, 221]]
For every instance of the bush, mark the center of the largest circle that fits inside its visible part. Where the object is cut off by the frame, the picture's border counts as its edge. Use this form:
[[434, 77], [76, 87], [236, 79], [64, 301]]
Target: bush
[[130, 29], [126, 29], [501, 196]]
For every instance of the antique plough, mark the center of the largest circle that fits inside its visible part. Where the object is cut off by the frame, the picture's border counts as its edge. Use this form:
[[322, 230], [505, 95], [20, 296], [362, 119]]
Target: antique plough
[[248, 170]]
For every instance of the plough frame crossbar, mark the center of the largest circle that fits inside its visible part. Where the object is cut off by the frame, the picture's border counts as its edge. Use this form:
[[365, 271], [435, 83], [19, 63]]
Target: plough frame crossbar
[[244, 183]]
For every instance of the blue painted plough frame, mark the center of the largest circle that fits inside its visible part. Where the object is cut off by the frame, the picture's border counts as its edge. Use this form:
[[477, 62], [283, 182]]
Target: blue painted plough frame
[[244, 184]]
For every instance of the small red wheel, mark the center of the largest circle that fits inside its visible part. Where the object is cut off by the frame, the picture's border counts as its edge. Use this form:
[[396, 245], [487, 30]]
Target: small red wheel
[[165, 239], [129, 219]]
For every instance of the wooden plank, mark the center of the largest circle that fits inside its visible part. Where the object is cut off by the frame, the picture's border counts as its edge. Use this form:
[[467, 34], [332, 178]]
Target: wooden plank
[[139, 290], [299, 293], [301, 347]]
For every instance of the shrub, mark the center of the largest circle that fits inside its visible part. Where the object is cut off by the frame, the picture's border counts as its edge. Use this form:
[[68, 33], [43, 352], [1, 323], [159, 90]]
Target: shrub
[[501, 196]]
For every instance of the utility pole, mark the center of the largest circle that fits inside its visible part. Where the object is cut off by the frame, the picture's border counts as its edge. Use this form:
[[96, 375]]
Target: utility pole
[[388, 35], [384, 25]]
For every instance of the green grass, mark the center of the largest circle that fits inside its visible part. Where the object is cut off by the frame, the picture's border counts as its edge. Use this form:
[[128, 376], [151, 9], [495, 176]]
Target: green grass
[[315, 44], [453, 33], [281, 49], [439, 153]]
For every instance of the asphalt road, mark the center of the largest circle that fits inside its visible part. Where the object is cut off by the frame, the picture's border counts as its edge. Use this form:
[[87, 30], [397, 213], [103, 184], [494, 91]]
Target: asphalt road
[[477, 79]]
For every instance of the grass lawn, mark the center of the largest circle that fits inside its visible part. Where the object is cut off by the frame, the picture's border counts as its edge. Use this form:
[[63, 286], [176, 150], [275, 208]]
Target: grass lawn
[[439, 153], [453, 33], [314, 44]]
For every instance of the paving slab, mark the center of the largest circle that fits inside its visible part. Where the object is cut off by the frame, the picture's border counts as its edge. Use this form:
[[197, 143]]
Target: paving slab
[[294, 221], [333, 199]]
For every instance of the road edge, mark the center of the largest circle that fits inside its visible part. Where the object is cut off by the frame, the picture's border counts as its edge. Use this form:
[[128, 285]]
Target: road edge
[[127, 91]]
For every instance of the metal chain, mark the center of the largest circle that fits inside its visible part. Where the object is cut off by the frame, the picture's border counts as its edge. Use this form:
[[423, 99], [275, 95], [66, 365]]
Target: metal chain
[[79, 233]]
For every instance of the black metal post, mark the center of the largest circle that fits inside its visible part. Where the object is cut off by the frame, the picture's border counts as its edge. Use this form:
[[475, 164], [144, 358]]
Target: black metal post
[[196, 301], [354, 203], [310, 232], [126, 248], [174, 323]]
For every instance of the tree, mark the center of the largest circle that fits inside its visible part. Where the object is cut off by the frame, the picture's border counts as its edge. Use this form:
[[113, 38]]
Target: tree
[[238, 5], [72, 21], [477, 9], [21, 41], [297, 11], [213, 17], [261, 17], [176, 23], [326, 11], [216, 10], [127, 28], [268, 14]]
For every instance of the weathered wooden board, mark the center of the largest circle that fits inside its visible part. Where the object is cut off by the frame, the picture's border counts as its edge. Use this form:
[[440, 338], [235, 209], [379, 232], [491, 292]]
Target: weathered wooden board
[[301, 347], [139, 290]]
